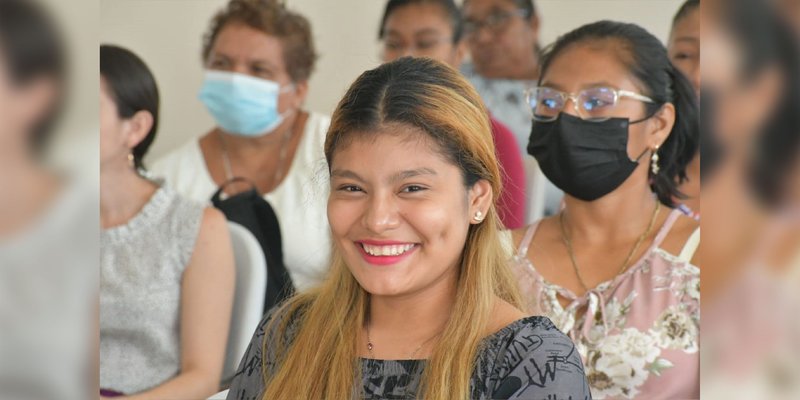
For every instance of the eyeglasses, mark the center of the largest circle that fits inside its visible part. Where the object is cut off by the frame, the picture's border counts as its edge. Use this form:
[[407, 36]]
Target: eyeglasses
[[496, 21], [593, 104], [421, 47]]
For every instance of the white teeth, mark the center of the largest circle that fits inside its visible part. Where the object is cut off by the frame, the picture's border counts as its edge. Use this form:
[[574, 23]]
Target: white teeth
[[393, 250]]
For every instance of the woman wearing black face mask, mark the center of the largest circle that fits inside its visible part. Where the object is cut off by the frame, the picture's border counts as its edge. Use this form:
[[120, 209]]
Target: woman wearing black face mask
[[614, 128]]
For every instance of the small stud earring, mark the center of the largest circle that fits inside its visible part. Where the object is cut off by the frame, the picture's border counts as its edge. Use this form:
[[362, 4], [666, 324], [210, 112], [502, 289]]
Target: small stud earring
[[478, 216], [654, 168], [131, 161]]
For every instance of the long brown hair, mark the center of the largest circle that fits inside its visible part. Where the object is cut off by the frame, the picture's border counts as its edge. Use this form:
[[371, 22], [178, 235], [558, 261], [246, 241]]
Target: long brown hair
[[321, 362]]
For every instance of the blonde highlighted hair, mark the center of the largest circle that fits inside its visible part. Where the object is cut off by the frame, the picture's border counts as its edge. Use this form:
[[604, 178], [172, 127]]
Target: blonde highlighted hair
[[321, 361]]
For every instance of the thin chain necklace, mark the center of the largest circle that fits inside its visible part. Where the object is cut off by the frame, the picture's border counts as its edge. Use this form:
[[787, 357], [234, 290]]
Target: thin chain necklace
[[284, 150], [624, 266], [370, 346]]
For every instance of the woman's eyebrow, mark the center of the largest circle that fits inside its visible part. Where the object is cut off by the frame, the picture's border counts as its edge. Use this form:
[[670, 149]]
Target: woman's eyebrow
[[411, 173], [687, 39], [346, 173]]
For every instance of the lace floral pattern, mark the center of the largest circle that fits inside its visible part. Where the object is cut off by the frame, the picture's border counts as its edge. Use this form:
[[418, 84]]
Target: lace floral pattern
[[637, 333]]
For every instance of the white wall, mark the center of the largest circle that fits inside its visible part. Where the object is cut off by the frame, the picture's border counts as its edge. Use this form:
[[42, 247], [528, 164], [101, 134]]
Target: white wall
[[167, 35], [561, 16], [75, 142]]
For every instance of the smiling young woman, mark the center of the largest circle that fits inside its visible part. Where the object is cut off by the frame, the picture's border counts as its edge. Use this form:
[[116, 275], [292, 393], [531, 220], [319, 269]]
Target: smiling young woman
[[418, 303]]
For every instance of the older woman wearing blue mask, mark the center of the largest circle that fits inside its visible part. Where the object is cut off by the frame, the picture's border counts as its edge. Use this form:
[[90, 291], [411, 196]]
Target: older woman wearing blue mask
[[259, 57]]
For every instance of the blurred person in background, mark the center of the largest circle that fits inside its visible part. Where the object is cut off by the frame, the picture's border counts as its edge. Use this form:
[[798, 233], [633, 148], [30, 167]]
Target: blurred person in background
[[751, 253], [503, 41], [48, 230], [790, 9], [433, 28], [259, 57], [683, 48], [614, 128], [166, 263], [751, 95], [33, 73]]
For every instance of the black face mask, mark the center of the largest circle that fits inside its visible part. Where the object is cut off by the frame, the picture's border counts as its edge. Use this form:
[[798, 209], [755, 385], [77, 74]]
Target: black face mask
[[585, 159]]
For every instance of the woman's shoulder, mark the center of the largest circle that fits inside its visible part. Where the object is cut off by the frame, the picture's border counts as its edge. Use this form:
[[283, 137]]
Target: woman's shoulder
[[318, 123], [683, 238], [248, 382], [286, 315], [524, 328], [540, 226], [531, 358], [310, 155], [186, 222], [513, 329], [179, 208], [184, 169]]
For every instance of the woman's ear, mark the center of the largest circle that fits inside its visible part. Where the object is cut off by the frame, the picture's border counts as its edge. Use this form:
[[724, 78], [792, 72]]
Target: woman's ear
[[662, 123], [137, 128], [535, 23], [459, 52], [300, 93], [480, 199]]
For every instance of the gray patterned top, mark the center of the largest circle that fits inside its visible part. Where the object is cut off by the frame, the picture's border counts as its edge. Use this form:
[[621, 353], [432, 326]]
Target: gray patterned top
[[528, 359], [141, 268]]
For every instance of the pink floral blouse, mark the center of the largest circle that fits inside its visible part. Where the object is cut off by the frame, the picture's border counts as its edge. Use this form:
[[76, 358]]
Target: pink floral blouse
[[638, 332]]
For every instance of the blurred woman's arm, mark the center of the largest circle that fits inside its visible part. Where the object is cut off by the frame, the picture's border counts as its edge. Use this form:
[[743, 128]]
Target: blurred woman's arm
[[206, 303]]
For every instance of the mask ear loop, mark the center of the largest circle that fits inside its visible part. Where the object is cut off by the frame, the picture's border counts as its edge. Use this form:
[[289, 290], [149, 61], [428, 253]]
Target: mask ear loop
[[651, 115], [636, 160], [286, 89]]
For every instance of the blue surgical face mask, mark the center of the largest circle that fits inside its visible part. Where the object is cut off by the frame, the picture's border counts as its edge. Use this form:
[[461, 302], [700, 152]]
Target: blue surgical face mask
[[241, 104]]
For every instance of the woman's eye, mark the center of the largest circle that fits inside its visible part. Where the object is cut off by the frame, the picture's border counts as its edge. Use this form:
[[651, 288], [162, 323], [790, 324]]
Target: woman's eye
[[261, 71], [394, 46], [413, 188], [550, 103], [683, 55], [595, 103], [349, 188], [426, 45]]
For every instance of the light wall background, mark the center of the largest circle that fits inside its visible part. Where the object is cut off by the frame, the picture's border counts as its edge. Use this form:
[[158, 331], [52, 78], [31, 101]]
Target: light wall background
[[73, 146], [167, 34]]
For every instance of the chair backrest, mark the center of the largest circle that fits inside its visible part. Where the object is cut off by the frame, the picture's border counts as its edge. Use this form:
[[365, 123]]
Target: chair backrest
[[220, 396], [248, 304], [535, 190]]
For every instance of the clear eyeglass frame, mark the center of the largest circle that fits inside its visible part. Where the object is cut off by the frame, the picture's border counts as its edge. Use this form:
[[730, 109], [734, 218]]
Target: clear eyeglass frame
[[532, 95], [390, 47], [495, 22]]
